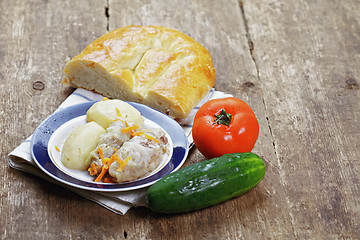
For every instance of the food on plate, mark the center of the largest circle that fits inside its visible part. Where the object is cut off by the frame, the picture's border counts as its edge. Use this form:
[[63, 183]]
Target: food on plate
[[109, 142], [78, 145], [105, 112], [124, 150], [226, 125], [207, 183], [153, 65], [136, 154], [142, 153]]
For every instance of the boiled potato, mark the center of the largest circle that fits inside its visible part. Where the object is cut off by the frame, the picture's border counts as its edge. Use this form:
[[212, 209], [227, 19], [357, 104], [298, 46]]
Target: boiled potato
[[78, 145], [104, 112]]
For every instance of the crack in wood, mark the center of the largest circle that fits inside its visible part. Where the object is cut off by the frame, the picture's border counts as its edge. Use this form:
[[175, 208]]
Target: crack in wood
[[248, 36], [107, 15], [252, 49], [271, 133]]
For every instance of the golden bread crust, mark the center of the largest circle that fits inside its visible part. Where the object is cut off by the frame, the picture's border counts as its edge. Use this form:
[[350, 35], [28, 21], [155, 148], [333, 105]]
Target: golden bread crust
[[157, 66]]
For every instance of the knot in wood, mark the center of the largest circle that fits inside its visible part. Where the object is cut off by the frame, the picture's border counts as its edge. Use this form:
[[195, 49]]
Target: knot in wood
[[350, 81], [249, 84], [38, 85]]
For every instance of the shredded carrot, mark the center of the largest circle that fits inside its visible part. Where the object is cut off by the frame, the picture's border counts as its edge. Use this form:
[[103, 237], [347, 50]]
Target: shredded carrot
[[114, 149], [120, 161], [116, 157], [92, 169], [57, 149], [129, 129], [107, 161], [106, 164], [108, 180], [101, 153], [127, 160], [126, 124], [101, 175], [152, 138], [118, 119], [123, 164], [118, 113], [138, 133]]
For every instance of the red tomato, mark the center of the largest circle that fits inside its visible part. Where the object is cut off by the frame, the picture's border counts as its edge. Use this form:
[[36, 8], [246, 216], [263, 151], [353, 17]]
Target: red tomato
[[226, 125]]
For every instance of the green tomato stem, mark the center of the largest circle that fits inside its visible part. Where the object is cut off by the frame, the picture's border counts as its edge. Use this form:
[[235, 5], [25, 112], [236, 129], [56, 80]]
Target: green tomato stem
[[223, 118]]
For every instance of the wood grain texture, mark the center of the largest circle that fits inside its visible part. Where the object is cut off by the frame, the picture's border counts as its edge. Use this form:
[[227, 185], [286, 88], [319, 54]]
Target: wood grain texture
[[296, 63], [224, 35], [308, 58], [37, 39]]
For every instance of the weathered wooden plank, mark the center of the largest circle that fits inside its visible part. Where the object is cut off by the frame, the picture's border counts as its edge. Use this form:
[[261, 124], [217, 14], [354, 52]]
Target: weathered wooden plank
[[36, 40], [224, 35], [228, 47], [308, 57], [302, 85]]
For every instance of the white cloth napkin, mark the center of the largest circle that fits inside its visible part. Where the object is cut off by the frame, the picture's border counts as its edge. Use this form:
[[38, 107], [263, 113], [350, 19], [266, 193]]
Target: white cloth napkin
[[118, 202]]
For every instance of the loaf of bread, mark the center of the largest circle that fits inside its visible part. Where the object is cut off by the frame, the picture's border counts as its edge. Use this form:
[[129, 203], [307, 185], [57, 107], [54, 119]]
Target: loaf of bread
[[153, 65]]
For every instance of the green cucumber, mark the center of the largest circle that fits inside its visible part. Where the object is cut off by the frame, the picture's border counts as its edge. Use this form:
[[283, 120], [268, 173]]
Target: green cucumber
[[207, 183]]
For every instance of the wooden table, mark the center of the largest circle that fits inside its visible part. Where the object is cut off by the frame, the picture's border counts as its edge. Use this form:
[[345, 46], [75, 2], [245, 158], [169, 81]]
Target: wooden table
[[295, 62]]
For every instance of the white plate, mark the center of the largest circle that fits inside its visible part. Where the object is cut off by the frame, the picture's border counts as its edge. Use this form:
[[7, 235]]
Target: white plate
[[53, 131]]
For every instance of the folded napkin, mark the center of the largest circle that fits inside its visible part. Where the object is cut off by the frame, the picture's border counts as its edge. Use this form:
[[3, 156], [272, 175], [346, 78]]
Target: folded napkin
[[119, 202]]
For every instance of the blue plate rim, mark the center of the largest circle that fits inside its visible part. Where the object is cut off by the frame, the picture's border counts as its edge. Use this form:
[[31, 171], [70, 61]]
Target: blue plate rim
[[42, 134]]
